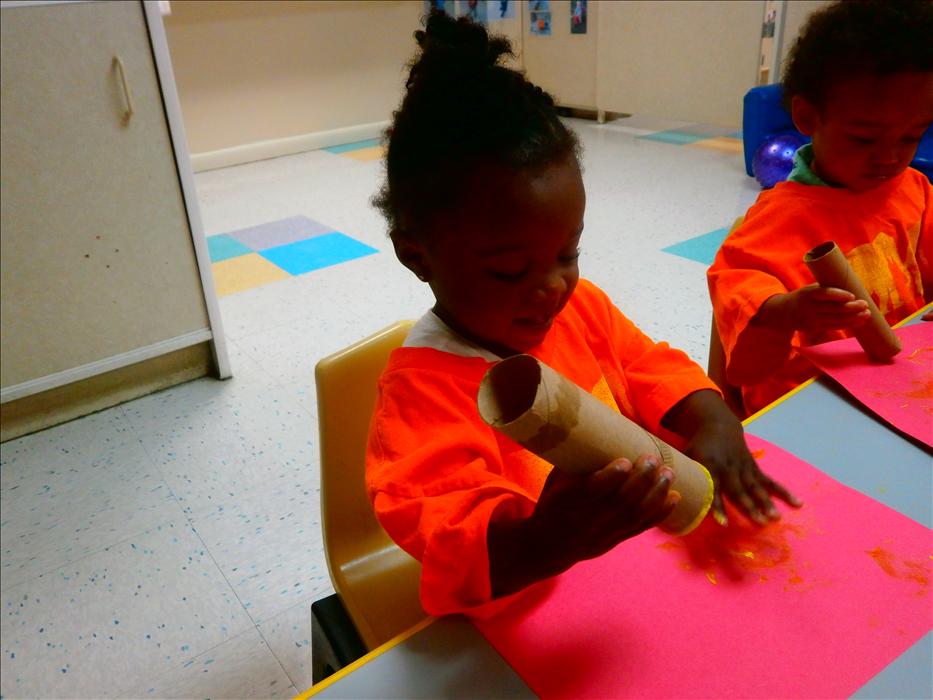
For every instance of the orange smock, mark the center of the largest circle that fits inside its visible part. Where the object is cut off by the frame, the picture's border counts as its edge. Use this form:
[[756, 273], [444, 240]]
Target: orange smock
[[886, 234], [437, 474]]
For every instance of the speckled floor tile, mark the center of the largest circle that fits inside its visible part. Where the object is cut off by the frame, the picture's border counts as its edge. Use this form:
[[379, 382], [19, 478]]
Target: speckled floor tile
[[289, 636], [140, 607], [67, 498], [240, 668], [263, 446], [270, 548]]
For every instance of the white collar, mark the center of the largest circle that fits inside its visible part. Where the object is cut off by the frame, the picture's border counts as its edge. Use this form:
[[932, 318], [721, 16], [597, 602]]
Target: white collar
[[431, 332]]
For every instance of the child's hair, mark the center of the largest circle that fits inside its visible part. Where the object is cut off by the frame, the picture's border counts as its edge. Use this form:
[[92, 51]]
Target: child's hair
[[462, 108], [858, 37]]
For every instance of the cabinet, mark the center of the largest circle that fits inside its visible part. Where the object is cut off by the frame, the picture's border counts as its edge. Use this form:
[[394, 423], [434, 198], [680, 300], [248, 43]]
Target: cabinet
[[104, 263]]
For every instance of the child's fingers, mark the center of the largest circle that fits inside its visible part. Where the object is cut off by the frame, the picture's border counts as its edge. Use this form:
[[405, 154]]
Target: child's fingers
[[779, 491], [719, 510], [734, 488], [834, 294], [653, 505], [607, 481], [754, 487], [639, 483]]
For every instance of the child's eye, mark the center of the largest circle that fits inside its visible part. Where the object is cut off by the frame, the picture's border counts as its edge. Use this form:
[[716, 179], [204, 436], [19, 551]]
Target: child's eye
[[507, 276], [864, 140], [572, 258]]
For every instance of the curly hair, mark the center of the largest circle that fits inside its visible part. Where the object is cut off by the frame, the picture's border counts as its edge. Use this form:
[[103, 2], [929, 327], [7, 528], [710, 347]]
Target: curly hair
[[462, 108], [858, 37]]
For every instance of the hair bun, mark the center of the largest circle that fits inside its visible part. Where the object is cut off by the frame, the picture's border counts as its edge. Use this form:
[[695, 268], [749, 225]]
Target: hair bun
[[456, 46]]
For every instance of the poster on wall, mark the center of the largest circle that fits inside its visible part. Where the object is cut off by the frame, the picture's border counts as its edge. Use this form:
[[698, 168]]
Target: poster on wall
[[540, 17], [578, 16], [439, 5], [500, 9], [474, 10]]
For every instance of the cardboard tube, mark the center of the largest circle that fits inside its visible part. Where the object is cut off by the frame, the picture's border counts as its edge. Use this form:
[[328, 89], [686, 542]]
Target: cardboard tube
[[831, 269], [551, 416]]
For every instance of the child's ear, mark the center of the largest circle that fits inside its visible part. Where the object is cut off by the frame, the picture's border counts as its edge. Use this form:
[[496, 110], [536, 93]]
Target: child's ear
[[805, 114], [411, 253]]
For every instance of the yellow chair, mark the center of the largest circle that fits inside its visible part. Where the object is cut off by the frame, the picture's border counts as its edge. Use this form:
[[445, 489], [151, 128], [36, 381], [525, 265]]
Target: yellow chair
[[375, 580], [716, 367]]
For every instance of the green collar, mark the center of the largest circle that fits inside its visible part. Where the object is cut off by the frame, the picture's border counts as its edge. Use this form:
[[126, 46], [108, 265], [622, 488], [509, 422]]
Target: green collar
[[802, 171]]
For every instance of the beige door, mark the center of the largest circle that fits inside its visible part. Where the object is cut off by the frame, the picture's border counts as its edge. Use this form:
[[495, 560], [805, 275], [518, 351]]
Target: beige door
[[97, 256]]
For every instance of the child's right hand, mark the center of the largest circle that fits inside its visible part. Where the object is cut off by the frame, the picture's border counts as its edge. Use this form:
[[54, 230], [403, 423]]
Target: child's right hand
[[813, 309], [584, 516], [577, 517]]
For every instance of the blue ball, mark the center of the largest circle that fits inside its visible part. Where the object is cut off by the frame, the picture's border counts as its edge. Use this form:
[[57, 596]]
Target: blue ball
[[774, 158]]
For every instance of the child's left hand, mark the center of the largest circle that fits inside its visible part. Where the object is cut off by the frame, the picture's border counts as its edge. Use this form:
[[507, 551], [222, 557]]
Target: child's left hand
[[715, 439]]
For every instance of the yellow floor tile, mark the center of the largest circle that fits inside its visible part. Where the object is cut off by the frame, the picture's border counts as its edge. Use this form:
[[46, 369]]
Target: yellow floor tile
[[371, 153], [245, 272], [720, 143]]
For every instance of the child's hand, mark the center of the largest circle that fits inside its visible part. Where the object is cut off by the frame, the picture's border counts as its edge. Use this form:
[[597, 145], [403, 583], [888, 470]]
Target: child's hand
[[578, 517], [716, 439], [813, 309], [586, 515], [737, 475]]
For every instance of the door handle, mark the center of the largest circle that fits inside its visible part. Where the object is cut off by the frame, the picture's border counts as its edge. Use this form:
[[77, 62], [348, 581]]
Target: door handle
[[127, 95]]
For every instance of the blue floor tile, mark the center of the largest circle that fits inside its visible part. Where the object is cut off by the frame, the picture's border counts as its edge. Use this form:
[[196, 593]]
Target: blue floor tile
[[702, 249], [317, 252], [223, 247], [674, 136], [355, 146]]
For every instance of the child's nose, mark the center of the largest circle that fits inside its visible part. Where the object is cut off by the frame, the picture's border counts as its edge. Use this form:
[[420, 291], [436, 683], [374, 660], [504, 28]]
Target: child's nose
[[550, 286], [887, 154]]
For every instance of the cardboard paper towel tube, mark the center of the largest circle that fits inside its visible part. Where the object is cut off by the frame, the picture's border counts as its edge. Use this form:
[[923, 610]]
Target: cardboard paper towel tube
[[557, 420], [831, 269]]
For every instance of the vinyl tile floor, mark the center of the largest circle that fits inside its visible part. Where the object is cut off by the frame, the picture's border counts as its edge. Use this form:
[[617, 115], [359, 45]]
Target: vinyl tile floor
[[171, 547]]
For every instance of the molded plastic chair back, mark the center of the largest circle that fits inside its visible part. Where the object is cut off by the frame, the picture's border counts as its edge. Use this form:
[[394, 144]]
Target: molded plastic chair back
[[716, 367], [377, 581]]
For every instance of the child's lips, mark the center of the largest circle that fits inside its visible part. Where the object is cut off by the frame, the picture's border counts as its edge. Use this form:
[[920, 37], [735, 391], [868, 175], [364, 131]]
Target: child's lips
[[541, 323]]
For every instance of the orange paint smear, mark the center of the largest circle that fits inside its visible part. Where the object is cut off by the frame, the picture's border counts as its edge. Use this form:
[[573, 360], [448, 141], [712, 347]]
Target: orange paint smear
[[914, 356], [917, 572], [924, 392], [740, 552]]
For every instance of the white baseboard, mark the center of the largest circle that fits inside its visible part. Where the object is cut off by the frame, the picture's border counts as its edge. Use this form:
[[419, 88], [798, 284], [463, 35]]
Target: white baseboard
[[92, 369], [273, 148]]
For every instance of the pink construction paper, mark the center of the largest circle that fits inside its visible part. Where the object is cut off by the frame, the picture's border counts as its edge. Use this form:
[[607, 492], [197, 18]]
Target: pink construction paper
[[900, 392], [810, 607]]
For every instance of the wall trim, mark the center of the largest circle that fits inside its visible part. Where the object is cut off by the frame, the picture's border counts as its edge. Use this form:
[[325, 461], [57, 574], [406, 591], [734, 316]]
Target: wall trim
[[273, 148], [75, 374]]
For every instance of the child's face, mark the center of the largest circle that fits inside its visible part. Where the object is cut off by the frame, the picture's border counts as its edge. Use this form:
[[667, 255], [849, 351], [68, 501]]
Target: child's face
[[504, 264], [868, 128]]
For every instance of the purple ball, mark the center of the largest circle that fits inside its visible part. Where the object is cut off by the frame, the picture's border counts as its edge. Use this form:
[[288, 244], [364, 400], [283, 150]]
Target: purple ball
[[774, 158]]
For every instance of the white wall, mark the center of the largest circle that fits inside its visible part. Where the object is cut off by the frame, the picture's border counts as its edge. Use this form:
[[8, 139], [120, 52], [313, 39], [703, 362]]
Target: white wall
[[683, 60]]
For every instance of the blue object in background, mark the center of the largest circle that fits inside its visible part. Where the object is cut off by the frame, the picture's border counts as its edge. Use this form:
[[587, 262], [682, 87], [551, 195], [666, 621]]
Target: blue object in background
[[774, 158], [763, 116]]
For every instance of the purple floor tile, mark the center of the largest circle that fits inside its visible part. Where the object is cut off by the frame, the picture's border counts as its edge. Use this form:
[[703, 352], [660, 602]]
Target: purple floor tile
[[277, 233]]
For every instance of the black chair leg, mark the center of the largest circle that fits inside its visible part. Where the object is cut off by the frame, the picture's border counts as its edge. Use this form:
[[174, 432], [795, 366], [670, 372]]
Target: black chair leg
[[335, 642]]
